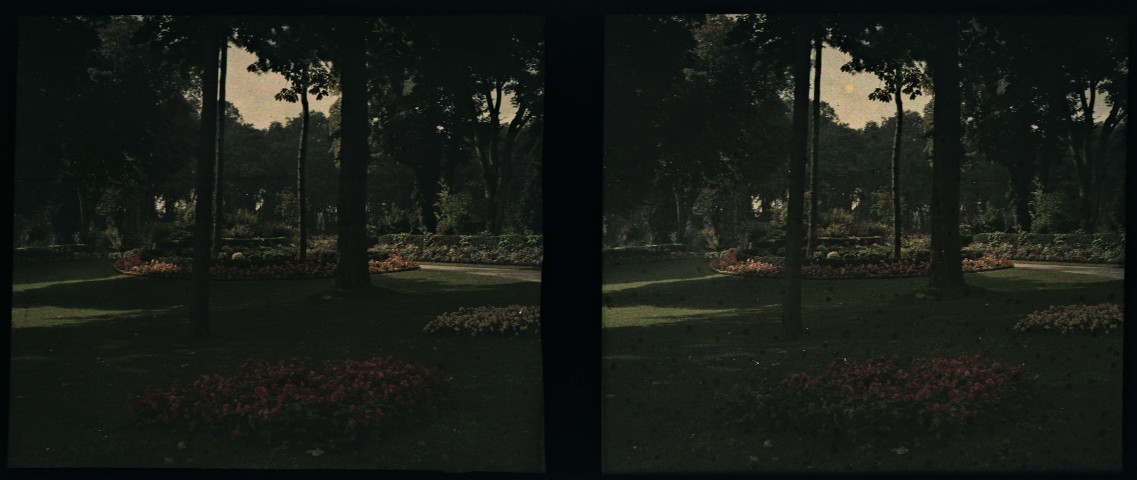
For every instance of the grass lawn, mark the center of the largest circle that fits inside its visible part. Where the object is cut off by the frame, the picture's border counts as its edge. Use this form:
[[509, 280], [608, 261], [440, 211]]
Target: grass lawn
[[84, 336], [677, 338]]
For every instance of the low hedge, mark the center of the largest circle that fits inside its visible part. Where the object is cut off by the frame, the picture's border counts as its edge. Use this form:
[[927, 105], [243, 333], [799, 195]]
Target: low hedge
[[645, 253], [1077, 248], [484, 249], [52, 253]]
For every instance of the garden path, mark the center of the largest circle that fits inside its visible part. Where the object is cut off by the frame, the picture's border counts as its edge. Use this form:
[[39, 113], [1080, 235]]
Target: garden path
[[526, 274], [1110, 271]]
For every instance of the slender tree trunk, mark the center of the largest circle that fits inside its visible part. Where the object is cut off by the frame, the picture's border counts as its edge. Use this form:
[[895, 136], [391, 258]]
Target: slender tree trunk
[[352, 272], [301, 200], [218, 187], [897, 219], [205, 161], [814, 165], [680, 220], [947, 152], [791, 303]]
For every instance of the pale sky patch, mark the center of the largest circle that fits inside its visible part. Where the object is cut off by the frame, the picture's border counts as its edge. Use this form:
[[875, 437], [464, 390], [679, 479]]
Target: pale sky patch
[[253, 94], [848, 93]]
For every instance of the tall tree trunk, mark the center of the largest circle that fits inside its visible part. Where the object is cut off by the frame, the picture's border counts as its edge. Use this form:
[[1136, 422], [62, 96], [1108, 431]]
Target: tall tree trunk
[[205, 160], [301, 201], [680, 220], [352, 272], [947, 151], [791, 303], [897, 219], [218, 187], [814, 165]]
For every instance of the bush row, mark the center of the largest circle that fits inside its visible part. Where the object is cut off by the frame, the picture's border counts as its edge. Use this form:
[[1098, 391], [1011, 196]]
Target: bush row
[[774, 267], [180, 267], [1082, 248], [486, 249], [645, 253]]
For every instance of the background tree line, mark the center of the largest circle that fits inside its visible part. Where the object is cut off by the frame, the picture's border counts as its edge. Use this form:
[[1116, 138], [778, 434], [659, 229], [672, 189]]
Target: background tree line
[[107, 129], [699, 108]]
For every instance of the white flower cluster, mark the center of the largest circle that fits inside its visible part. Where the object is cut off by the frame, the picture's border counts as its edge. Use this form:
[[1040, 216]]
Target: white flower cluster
[[515, 320], [1068, 318]]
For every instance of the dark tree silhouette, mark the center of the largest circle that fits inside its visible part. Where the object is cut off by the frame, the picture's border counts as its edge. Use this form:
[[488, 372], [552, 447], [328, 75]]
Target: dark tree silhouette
[[947, 152], [815, 157], [205, 163], [791, 303], [352, 272]]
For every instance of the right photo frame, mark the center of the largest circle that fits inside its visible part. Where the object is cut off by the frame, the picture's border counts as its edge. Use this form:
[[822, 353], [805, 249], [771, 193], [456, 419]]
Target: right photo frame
[[862, 243]]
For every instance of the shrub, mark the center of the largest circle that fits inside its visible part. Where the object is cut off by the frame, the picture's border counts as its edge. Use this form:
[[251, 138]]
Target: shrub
[[773, 267], [1069, 318], [500, 250], [513, 320], [885, 395], [332, 402], [645, 253]]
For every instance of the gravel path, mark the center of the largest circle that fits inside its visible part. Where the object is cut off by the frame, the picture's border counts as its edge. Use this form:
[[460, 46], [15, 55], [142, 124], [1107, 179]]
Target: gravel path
[[1109, 271], [528, 275]]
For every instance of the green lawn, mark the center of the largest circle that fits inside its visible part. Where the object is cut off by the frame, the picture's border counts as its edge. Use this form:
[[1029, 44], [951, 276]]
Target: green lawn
[[83, 337], [677, 338]]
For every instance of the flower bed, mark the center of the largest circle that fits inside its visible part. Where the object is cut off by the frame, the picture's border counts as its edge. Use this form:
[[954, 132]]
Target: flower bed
[[332, 402], [178, 267], [886, 396], [1070, 318], [773, 267], [515, 320]]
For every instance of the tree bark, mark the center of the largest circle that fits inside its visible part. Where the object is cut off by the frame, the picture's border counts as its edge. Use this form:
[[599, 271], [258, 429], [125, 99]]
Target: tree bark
[[205, 161], [947, 151], [218, 187], [897, 219], [791, 303], [814, 166], [301, 157], [352, 272]]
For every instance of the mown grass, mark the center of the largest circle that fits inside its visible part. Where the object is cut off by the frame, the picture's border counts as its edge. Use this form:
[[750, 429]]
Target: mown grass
[[677, 339], [83, 337]]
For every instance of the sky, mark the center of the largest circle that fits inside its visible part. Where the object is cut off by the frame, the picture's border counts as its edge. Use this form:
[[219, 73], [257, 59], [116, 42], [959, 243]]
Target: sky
[[253, 94], [848, 93]]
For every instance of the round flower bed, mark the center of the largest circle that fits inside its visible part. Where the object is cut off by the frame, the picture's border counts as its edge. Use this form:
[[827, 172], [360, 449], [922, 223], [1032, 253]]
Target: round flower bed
[[903, 268], [1070, 318], [515, 320], [177, 267], [295, 400], [886, 396]]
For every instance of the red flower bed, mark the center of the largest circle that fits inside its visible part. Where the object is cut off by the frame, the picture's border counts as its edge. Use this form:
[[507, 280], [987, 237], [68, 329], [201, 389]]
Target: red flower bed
[[903, 268], [333, 402], [886, 394], [166, 268]]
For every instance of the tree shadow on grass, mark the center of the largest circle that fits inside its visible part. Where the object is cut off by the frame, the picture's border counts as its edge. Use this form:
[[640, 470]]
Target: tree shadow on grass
[[69, 381]]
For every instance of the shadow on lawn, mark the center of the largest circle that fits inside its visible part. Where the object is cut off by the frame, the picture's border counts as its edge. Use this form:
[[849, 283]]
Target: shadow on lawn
[[136, 293], [725, 291]]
